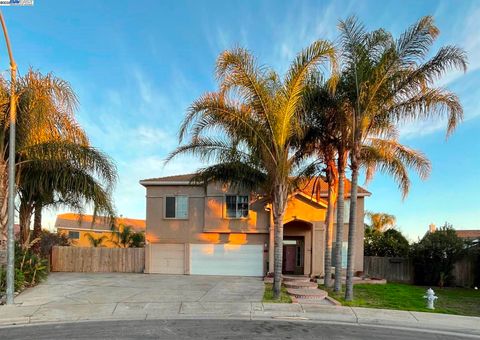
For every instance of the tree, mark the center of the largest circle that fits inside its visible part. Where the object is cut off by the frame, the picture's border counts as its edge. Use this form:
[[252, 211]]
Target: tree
[[435, 255], [390, 243], [254, 123], [390, 81], [55, 164], [124, 236], [96, 242], [327, 115], [323, 125], [380, 221]]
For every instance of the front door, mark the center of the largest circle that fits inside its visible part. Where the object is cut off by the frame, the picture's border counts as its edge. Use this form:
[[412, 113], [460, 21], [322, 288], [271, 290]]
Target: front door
[[293, 255], [289, 258]]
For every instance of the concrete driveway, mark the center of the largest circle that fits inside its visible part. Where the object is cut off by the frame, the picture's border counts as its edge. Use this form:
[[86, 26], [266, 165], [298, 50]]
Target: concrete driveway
[[136, 295]]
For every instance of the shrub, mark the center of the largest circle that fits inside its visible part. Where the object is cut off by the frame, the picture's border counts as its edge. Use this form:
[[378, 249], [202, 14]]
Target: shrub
[[30, 268], [48, 240], [435, 255], [390, 243]]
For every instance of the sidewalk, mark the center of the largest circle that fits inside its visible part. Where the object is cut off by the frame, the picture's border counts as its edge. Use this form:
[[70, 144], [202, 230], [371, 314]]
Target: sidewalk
[[17, 314]]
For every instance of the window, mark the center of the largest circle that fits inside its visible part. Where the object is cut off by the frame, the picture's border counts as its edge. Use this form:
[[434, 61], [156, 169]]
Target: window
[[74, 235], [237, 206], [176, 207], [346, 211], [344, 254]]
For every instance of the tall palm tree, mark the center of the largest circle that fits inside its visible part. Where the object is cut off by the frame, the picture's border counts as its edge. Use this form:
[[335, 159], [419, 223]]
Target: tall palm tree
[[64, 174], [323, 135], [391, 80], [326, 115], [380, 221], [255, 122], [49, 144]]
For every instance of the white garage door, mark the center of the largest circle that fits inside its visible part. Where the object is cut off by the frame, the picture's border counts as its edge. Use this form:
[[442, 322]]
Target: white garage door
[[167, 258], [226, 259]]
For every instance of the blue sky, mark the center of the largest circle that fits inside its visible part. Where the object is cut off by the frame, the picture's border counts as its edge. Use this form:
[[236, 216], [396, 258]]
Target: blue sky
[[137, 65]]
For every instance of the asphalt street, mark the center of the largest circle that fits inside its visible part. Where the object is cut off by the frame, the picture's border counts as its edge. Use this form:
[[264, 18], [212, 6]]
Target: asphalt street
[[213, 329]]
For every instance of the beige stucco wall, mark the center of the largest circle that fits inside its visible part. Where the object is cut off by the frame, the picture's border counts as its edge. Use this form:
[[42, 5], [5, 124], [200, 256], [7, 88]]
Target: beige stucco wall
[[206, 222]]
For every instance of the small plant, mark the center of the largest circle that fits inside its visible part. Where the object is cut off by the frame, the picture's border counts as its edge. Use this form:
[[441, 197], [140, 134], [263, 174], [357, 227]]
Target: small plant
[[96, 242]]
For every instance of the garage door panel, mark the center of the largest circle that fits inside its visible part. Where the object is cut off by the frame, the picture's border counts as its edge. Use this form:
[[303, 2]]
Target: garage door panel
[[167, 258], [226, 259]]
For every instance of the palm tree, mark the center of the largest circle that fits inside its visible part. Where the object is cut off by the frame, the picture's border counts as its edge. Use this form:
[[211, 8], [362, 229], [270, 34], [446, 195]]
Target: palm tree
[[380, 221], [124, 236], [389, 81], [255, 122], [96, 242], [326, 115], [55, 164], [323, 135], [65, 174]]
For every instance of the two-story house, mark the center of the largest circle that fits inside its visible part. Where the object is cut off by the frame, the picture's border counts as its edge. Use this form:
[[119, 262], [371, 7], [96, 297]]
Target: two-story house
[[217, 230]]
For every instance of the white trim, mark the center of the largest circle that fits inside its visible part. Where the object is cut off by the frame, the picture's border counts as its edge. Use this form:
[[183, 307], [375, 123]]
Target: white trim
[[165, 207], [313, 199], [163, 183], [236, 206], [85, 229]]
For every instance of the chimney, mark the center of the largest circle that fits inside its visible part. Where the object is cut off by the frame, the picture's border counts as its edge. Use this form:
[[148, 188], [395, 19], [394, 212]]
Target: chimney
[[432, 228]]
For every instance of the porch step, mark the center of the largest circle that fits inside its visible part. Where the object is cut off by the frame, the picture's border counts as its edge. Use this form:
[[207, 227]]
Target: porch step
[[295, 278], [301, 284], [305, 293]]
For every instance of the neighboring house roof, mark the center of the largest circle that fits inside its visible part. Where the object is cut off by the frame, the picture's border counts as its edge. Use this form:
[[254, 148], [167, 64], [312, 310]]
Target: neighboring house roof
[[468, 234], [78, 222], [307, 189]]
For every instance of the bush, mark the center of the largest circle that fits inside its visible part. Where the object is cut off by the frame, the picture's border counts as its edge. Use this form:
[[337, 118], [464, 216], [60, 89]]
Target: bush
[[48, 240], [390, 243], [30, 269], [435, 255], [19, 280]]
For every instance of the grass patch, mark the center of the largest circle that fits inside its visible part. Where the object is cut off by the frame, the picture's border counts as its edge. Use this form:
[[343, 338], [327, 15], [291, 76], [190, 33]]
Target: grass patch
[[268, 295], [460, 301]]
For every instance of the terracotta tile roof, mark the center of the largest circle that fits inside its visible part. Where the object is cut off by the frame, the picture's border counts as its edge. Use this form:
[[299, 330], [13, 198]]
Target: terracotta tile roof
[[468, 234], [76, 221], [307, 189]]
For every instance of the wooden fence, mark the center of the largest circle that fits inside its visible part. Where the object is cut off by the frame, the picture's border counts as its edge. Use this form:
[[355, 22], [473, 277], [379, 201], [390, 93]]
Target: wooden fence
[[393, 269], [464, 272], [396, 269], [81, 259]]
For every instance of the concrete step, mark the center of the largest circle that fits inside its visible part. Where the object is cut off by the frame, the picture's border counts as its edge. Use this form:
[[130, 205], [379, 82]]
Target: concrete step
[[305, 293], [296, 278], [301, 284]]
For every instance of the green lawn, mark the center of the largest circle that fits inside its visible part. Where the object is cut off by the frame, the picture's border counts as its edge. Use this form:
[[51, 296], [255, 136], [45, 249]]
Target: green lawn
[[459, 301], [268, 295]]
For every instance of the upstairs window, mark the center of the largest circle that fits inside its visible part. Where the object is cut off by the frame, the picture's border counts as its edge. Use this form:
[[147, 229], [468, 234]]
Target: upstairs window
[[176, 207], [237, 206]]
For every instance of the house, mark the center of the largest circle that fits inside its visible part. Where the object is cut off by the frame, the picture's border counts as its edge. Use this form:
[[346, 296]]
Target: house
[[472, 236], [217, 230], [76, 227]]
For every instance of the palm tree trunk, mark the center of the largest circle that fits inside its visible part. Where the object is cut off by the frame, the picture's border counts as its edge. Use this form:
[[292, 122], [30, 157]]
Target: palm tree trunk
[[279, 203], [3, 202], [37, 220], [352, 226], [25, 217], [329, 221], [340, 222]]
